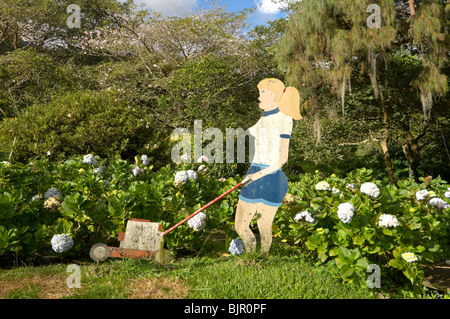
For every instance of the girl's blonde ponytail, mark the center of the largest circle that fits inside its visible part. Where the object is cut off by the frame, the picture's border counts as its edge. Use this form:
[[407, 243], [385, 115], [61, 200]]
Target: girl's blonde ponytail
[[289, 104]]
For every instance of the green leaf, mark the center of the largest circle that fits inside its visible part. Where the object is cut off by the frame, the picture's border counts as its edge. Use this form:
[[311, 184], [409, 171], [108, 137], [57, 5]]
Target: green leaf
[[396, 264]]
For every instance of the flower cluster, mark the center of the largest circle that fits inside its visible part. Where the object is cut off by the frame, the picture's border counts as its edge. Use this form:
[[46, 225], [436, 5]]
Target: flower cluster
[[351, 186], [345, 212], [370, 189], [439, 203], [236, 247], [52, 192], [183, 176], [387, 220], [99, 170], [409, 257], [145, 160], [202, 169], [198, 222], [61, 243], [137, 170], [89, 159], [323, 186], [52, 203], [422, 194], [36, 197], [306, 215], [202, 159], [289, 199]]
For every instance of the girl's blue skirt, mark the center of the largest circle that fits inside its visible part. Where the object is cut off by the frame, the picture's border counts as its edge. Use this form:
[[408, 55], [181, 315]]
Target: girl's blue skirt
[[270, 189]]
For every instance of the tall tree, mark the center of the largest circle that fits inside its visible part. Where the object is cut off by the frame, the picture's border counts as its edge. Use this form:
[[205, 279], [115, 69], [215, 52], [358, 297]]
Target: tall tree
[[327, 41]]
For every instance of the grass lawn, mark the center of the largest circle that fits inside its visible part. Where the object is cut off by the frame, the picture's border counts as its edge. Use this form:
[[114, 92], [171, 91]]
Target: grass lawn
[[285, 274]]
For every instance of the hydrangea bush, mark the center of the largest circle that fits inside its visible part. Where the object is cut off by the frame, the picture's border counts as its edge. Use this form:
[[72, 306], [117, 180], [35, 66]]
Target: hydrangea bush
[[368, 222], [91, 200], [352, 221]]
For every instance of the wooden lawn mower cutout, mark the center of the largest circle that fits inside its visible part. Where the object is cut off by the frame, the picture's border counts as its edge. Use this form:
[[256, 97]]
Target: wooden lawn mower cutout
[[145, 240]]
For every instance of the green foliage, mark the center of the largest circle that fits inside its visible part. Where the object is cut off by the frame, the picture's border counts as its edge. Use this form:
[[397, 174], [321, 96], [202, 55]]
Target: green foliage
[[99, 122], [422, 230], [94, 207]]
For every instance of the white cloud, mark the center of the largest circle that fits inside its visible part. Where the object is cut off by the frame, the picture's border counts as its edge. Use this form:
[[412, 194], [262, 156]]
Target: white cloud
[[169, 7], [268, 6]]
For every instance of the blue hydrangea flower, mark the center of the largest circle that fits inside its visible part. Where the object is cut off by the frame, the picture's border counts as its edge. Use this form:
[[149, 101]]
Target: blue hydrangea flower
[[236, 247], [52, 192], [61, 243], [198, 222]]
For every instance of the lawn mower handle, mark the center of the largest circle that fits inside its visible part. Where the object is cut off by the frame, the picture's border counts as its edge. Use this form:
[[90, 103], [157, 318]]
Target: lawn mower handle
[[246, 181]]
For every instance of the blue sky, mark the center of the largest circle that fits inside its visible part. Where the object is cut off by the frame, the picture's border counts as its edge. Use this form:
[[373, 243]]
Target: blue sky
[[267, 10]]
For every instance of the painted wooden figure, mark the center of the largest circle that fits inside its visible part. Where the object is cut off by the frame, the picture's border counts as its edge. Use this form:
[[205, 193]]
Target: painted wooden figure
[[269, 184]]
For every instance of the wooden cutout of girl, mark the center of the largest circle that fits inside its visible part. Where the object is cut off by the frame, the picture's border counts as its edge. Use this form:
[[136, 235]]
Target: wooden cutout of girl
[[269, 184]]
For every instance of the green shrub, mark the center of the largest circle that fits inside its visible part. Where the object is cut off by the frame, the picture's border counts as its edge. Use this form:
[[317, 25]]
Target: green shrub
[[422, 228], [94, 207], [77, 123]]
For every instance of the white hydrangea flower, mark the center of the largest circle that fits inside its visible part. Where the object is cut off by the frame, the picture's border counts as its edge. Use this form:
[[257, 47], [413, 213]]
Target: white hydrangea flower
[[335, 190], [185, 158], [351, 186], [370, 189], [89, 159], [145, 160], [99, 170], [306, 215], [387, 220], [192, 175], [52, 192], [222, 179], [36, 197], [422, 194], [345, 212], [137, 170], [202, 169], [409, 257], [198, 222], [62, 242], [439, 203], [52, 203], [236, 247], [323, 186], [202, 159], [180, 177], [447, 194]]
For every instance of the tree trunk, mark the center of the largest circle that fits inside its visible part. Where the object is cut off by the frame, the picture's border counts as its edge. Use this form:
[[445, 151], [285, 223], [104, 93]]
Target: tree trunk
[[385, 140], [412, 9], [387, 158], [411, 150]]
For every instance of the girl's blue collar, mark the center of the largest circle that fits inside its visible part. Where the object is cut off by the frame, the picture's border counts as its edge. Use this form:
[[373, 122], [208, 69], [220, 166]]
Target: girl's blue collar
[[274, 111]]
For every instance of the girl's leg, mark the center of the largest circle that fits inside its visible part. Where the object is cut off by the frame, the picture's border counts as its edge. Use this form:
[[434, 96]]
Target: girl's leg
[[244, 215], [264, 219]]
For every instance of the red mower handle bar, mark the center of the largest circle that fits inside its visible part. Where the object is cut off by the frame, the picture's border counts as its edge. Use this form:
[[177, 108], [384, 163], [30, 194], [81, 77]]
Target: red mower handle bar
[[244, 182]]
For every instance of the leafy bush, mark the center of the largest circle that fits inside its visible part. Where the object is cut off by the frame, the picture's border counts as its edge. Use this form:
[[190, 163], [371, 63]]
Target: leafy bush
[[26, 77], [407, 225], [95, 201], [350, 222], [98, 122]]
